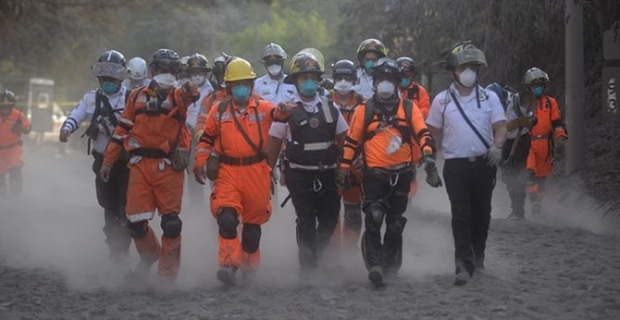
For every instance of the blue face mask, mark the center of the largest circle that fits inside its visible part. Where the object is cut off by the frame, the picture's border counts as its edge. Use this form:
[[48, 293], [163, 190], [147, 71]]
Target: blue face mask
[[241, 93], [309, 88], [368, 65], [110, 88], [405, 83], [538, 91]]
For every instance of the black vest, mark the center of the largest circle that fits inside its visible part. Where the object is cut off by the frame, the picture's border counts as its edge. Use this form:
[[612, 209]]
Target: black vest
[[312, 138]]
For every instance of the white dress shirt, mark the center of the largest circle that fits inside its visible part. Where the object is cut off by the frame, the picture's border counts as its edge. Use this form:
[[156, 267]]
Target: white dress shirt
[[483, 109]]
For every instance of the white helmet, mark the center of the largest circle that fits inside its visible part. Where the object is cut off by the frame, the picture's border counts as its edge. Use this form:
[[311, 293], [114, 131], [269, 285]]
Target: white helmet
[[137, 68]]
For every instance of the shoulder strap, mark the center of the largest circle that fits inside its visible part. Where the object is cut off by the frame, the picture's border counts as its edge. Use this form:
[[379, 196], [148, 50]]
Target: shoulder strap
[[247, 139], [369, 113], [408, 106], [127, 93], [471, 125], [327, 110], [359, 98]]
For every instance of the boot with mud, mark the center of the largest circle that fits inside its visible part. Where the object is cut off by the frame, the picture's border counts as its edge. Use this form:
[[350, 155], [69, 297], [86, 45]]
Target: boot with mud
[[227, 275], [462, 277], [375, 275]]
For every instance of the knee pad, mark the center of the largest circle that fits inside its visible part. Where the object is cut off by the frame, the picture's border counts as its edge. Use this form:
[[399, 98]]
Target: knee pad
[[228, 220], [375, 210], [171, 224], [250, 237], [137, 230], [352, 217], [395, 225]]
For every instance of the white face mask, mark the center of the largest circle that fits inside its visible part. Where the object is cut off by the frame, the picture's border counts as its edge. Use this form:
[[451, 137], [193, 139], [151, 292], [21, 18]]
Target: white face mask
[[385, 89], [343, 87], [274, 69], [467, 78], [165, 80], [198, 79]]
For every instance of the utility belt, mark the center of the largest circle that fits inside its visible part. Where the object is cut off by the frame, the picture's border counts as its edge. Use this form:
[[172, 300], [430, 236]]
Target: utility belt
[[319, 167], [395, 169], [18, 143], [122, 160], [468, 159], [152, 153], [545, 136], [240, 162]]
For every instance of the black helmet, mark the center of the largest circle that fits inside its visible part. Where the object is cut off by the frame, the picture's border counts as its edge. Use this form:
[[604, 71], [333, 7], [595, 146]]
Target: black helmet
[[7, 98], [386, 67], [273, 53], [112, 64], [405, 64], [166, 59], [344, 68], [303, 62], [463, 53], [197, 62]]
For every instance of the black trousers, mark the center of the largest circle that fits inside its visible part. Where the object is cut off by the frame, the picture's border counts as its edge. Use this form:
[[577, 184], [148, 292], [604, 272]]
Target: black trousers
[[514, 172], [386, 192], [470, 188], [112, 196], [317, 206]]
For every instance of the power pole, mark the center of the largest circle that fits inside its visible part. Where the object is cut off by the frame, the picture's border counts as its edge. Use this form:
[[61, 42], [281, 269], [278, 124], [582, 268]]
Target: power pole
[[575, 111]]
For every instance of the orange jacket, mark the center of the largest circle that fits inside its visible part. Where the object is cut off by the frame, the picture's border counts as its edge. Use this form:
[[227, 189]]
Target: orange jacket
[[226, 139], [12, 127], [208, 102], [374, 149], [419, 95], [348, 108], [549, 118], [139, 130]]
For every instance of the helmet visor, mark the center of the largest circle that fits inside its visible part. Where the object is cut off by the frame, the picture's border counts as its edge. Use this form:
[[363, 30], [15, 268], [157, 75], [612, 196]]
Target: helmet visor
[[108, 69], [469, 55]]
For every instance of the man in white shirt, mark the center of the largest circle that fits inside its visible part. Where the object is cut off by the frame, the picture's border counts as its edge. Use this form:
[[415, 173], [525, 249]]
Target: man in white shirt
[[271, 86], [314, 133], [369, 51], [473, 125]]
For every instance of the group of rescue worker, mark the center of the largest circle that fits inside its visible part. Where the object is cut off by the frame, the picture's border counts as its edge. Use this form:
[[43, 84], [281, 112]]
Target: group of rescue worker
[[356, 138]]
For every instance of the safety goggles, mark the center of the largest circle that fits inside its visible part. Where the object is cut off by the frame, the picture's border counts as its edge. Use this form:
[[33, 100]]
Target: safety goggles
[[108, 69]]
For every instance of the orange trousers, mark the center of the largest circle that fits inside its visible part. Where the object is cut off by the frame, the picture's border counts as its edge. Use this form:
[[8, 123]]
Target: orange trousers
[[154, 185], [540, 161], [247, 190], [10, 158]]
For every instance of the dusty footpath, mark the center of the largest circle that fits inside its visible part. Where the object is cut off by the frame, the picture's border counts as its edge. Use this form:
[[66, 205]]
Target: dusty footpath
[[564, 264]]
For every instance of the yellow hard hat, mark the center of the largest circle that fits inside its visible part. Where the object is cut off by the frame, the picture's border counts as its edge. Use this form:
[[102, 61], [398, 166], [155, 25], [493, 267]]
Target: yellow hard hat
[[239, 69]]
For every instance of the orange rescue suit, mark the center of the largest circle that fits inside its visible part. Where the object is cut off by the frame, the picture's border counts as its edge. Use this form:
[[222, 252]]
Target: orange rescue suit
[[419, 96], [12, 126], [153, 184], [244, 181], [549, 124]]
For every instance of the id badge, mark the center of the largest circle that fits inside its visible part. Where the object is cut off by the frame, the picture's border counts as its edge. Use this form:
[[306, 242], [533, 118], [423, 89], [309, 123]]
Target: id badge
[[395, 143]]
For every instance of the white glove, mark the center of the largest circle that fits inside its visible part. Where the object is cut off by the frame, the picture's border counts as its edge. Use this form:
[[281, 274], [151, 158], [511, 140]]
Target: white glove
[[494, 155]]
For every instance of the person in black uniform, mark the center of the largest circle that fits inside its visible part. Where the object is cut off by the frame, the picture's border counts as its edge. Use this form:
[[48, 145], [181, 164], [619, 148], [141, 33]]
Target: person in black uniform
[[314, 135]]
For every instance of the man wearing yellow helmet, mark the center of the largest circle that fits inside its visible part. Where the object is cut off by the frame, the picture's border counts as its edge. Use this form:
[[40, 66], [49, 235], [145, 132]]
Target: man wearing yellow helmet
[[368, 52], [232, 153]]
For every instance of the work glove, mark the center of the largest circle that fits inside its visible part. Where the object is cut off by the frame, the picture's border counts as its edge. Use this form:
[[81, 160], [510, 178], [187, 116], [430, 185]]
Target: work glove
[[17, 128], [523, 121], [200, 174], [560, 146], [494, 155], [343, 179], [198, 134], [432, 175]]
